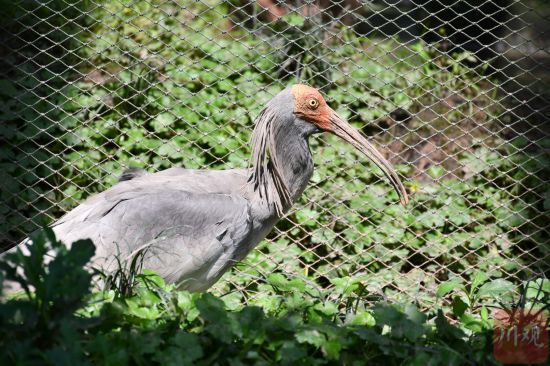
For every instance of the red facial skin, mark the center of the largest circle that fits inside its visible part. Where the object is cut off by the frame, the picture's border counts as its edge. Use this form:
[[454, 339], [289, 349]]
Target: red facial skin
[[310, 105]]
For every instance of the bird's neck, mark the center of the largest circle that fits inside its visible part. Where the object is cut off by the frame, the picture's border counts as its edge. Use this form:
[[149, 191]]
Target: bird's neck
[[282, 164], [292, 149]]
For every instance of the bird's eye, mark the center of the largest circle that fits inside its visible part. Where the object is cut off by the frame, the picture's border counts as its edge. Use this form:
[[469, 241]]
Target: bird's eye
[[313, 103]]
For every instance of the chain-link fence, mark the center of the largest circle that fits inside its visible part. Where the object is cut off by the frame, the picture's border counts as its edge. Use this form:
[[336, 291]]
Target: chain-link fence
[[454, 92]]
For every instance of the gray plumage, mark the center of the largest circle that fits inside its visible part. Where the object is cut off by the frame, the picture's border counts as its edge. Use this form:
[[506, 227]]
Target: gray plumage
[[195, 224]]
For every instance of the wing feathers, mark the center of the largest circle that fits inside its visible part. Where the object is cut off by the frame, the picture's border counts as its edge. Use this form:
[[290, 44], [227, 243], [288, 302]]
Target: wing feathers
[[191, 236]]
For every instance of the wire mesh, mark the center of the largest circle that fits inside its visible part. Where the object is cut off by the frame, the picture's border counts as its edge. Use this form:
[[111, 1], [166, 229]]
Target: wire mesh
[[454, 92]]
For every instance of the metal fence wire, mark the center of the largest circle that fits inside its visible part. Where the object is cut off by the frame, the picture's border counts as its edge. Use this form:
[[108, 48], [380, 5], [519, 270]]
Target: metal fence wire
[[455, 93]]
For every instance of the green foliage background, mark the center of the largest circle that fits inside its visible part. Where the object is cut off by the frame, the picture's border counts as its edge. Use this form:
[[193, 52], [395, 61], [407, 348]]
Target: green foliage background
[[156, 85]]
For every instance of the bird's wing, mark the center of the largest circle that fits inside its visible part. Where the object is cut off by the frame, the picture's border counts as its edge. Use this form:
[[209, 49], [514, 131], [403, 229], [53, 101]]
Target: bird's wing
[[195, 180], [186, 235], [228, 182]]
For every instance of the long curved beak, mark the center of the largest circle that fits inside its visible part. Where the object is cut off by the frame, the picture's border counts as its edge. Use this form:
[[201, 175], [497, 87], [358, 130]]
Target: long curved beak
[[343, 129]]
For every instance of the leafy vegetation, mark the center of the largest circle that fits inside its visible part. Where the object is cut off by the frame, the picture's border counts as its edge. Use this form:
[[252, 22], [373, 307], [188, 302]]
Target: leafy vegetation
[[62, 322], [158, 85]]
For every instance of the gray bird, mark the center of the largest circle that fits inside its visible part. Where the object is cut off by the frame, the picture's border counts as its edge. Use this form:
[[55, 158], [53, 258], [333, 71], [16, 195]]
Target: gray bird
[[193, 225]]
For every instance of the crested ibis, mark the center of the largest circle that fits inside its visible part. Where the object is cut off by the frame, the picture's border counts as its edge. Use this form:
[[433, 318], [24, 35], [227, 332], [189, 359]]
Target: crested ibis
[[195, 224]]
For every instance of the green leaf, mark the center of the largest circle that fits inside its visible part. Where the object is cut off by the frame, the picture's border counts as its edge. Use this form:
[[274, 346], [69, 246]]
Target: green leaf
[[294, 19], [362, 318], [307, 217], [81, 252], [479, 278], [150, 277], [143, 312], [163, 122], [436, 171], [537, 289], [484, 313], [311, 336], [345, 285], [495, 288], [471, 323], [447, 287], [459, 306]]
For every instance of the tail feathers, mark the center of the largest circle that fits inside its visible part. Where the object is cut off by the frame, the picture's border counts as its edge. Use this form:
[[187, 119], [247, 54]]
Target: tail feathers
[[132, 173]]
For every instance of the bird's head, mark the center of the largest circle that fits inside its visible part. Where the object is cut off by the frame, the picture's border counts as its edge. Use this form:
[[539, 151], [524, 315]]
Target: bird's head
[[311, 107]]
